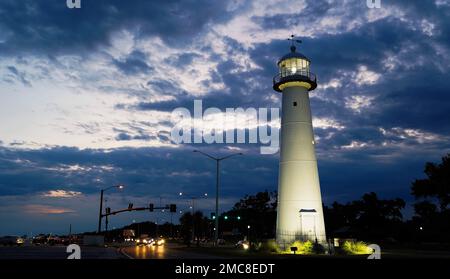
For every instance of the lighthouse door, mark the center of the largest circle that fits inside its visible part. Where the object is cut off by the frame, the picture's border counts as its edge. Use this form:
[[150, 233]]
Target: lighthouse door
[[308, 224]]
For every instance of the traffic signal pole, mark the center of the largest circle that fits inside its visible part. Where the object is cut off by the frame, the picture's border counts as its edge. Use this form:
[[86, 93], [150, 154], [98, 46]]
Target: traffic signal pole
[[151, 208]]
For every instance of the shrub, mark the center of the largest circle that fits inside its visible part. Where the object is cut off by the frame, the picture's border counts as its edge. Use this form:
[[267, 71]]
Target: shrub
[[303, 248], [356, 248], [268, 246]]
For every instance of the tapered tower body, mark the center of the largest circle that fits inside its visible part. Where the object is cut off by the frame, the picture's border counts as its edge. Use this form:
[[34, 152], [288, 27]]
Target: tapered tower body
[[300, 212]]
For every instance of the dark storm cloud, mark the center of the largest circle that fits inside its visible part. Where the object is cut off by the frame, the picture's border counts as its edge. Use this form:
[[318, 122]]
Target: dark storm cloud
[[246, 89], [315, 10], [134, 64], [148, 172], [183, 60], [123, 137], [49, 26], [411, 96], [219, 99], [127, 137], [145, 171]]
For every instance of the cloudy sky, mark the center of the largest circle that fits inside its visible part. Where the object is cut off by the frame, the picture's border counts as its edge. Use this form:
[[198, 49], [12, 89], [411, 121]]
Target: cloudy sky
[[86, 97]]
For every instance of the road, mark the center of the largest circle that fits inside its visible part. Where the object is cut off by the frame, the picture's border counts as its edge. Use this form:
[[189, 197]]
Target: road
[[56, 252], [174, 251], [168, 251]]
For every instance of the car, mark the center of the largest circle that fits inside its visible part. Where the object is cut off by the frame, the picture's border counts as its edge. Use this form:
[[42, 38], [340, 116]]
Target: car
[[244, 244], [144, 241], [54, 240], [40, 239], [11, 240], [159, 241]]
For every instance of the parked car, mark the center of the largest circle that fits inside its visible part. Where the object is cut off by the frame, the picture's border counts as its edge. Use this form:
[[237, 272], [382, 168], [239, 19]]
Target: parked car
[[11, 240]]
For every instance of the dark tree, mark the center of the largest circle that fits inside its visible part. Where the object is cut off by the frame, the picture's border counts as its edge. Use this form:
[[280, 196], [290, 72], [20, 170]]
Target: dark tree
[[262, 202], [257, 211], [437, 183], [425, 210], [194, 227], [186, 226], [368, 218], [432, 222]]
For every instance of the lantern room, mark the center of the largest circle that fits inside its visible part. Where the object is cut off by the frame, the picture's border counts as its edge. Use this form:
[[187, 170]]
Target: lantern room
[[294, 70]]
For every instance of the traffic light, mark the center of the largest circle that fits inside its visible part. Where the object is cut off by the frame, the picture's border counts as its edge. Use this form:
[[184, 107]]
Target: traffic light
[[173, 208], [225, 217], [213, 215], [151, 207], [239, 218], [130, 206]]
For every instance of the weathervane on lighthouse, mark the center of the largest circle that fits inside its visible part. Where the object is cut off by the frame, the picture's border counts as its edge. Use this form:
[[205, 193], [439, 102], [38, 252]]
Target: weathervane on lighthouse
[[294, 40], [300, 212]]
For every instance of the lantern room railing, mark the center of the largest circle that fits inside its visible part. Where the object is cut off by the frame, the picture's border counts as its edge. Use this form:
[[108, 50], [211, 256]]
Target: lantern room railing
[[301, 75]]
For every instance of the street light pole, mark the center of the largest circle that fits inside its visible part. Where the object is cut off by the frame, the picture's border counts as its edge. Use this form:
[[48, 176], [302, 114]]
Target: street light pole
[[192, 207], [100, 215], [193, 218], [216, 223]]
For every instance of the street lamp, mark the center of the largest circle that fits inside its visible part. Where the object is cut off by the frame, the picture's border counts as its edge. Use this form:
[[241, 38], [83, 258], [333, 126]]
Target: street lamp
[[193, 198], [216, 225], [120, 187], [192, 207]]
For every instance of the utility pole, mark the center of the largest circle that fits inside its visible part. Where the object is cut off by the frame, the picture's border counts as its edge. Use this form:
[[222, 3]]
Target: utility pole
[[100, 213], [216, 227]]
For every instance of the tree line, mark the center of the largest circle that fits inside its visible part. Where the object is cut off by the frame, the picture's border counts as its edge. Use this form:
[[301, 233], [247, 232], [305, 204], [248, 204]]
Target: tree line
[[368, 218]]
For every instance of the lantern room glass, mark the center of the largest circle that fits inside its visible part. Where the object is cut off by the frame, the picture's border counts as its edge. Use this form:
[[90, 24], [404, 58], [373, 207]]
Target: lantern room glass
[[294, 66]]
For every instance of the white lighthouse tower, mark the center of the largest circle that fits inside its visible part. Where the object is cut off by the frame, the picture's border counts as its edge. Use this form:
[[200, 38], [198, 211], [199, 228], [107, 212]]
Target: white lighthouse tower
[[300, 212]]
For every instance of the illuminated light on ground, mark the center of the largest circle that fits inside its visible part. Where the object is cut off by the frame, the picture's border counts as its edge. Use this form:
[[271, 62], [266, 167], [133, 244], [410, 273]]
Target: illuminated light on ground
[[356, 248]]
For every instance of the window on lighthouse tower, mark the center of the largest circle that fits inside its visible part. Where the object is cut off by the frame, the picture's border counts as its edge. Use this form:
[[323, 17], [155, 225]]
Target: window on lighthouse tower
[[294, 66]]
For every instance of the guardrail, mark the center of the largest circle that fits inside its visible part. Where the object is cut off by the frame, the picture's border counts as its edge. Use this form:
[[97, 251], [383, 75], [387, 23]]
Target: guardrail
[[302, 75]]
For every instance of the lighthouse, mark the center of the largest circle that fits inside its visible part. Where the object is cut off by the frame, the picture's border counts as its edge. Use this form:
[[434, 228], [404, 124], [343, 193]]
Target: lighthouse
[[300, 212]]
